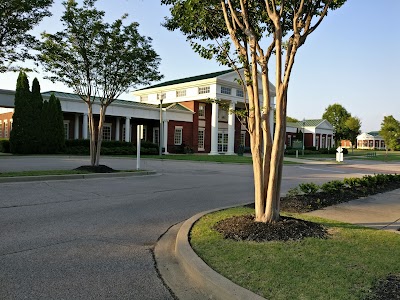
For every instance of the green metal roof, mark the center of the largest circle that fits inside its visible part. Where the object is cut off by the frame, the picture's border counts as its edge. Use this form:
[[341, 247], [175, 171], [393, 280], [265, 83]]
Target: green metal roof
[[308, 123], [374, 133], [118, 101], [188, 79]]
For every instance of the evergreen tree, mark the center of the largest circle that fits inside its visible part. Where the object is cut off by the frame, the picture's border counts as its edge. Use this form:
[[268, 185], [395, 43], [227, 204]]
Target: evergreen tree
[[35, 129], [55, 126], [44, 127], [59, 137], [19, 136]]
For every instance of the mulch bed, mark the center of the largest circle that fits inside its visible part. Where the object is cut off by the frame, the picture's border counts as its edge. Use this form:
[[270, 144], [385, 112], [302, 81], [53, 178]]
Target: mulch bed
[[386, 288], [96, 169], [243, 228]]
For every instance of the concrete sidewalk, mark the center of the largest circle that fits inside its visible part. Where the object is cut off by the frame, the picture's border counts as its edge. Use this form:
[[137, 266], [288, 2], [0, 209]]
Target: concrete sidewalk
[[191, 278]]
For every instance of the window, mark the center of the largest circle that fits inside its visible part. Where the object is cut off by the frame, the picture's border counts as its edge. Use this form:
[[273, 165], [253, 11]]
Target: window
[[226, 90], [239, 93], [156, 135], [181, 93], [201, 139], [243, 138], [289, 143], [144, 98], [204, 90], [66, 130], [178, 135], [107, 132], [222, 114], [222, 142], [1, 128], [202, 110], [5, 129]]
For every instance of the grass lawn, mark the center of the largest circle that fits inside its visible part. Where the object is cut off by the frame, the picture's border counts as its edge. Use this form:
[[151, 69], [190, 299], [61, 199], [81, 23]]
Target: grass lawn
[[358, 154], [342, 267], [47, 172], [208, 158]]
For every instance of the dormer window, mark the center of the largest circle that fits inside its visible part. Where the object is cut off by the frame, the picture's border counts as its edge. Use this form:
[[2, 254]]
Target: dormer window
[[181, 93]]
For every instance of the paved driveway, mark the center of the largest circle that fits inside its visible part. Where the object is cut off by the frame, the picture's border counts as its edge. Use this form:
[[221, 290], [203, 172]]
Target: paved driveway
[[92, 238]]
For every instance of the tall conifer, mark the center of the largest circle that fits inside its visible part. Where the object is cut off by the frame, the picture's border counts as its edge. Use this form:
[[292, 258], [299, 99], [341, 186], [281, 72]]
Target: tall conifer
[[19, 136], [36, 104]]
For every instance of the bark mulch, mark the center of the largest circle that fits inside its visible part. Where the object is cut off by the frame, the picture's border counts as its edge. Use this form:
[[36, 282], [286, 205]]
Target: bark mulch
[[243, 228], [96, 169], [386, 289]]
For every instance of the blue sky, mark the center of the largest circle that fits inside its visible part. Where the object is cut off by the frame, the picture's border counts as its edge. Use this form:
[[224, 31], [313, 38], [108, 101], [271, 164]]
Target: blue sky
[[352, 59]]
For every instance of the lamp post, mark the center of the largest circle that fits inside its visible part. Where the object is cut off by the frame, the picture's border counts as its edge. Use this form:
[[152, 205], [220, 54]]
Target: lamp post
[[161, 97], [304, 126]]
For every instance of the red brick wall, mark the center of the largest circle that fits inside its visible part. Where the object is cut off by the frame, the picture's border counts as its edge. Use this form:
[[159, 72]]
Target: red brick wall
[[187, 134]]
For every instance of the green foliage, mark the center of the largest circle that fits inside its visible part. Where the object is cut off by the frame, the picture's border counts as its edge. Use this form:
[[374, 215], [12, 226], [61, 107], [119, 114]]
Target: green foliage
[[17, 18], [20, 134], [36, 104], [337, 115], [98, 59], [309, 188], [293, 192], [352, 182], [334, 186], [390, 131], [5, 146], [352, 127], [81, 147]]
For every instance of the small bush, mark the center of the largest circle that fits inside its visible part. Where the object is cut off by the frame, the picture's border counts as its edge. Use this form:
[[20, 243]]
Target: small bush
[[293, 192], [309, 188], [334, 186], [352, 182], [345, 151], [5, 146]]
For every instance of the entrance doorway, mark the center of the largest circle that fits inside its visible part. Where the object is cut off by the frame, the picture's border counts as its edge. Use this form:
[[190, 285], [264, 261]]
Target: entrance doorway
[[222, 141]]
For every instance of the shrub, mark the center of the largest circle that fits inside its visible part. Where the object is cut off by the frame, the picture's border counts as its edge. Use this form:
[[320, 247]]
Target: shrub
[[293, 192], [309, 188], [334, 186], [345, 151], [352, 182], [5, 146]]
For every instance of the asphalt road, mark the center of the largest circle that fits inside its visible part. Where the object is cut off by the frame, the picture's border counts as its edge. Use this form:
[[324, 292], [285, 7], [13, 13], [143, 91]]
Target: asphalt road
[[92, 238]]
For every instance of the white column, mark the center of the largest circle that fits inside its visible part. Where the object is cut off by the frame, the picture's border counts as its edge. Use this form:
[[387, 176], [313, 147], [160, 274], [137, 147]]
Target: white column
[[76, 127], [165, 136], [313, 140], [231, 129], [85, 127], [214, 129], [117, 126], [127, 129]]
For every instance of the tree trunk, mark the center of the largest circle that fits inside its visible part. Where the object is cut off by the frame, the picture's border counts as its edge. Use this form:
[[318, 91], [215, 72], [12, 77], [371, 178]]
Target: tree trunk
[[100, 133], [92, 134]]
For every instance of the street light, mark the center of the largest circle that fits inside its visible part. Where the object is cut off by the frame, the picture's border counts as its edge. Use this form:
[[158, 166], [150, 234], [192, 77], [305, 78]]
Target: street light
[[161, 97], [304, 126]]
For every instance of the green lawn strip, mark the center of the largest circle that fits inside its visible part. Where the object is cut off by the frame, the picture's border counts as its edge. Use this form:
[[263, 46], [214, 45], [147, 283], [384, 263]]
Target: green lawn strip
[[341, 267], [49, 172], [209, 158]]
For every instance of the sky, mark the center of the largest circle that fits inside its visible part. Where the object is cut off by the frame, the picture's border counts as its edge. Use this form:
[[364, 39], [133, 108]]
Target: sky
[[353, 58]]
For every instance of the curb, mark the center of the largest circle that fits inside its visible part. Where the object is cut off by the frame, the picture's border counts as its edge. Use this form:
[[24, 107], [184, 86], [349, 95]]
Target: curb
[[74, 176], [209, 282]]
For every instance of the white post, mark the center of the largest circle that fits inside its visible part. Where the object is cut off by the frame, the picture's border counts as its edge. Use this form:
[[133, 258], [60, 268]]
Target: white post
[[85, 127], [76, 127], [127, 129], [214, 129], [231, 129], [117, 126], [139, 137], [165, 136]]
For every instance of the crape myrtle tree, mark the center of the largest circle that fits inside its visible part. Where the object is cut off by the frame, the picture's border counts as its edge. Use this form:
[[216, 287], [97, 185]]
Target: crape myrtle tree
[[98, 60], [337, 115], [246, 34], [17, 18], [390, 131]]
